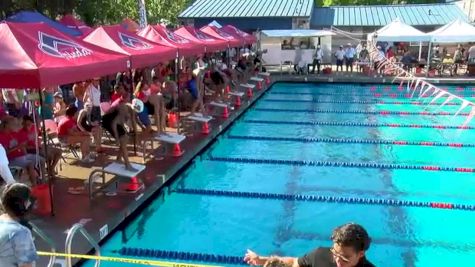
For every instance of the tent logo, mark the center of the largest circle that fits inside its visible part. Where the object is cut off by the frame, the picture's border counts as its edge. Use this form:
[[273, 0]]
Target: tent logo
[[61, 48], [133, 42], [175, 38]]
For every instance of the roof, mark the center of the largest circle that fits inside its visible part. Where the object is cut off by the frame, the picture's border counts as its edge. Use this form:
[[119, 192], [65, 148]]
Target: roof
[[248, 8], [380, 15]]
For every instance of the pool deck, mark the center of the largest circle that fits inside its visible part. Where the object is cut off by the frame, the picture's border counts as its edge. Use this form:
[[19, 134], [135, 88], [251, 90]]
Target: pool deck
[[109, 212]]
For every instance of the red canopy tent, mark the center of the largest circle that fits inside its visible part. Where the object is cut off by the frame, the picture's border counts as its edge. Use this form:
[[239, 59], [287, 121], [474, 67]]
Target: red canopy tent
[[163, 36], [142, 52], [233, 40], [210, 43], [34, 55], [249, 38], [71, 22]]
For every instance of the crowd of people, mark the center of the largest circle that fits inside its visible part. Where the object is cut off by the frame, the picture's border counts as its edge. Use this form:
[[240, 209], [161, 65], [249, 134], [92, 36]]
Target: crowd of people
[[123, 105]]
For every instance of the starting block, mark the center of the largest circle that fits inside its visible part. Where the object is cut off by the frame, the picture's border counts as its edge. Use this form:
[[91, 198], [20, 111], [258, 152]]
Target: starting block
[[266, 76], [223, 106], [198, 117], [258, 81], [237, 96], [173, 139], [249, 87], [118, 170]]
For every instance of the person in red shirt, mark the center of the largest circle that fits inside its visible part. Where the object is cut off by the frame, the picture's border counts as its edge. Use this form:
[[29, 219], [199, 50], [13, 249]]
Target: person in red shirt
[[15, 147], [153, 106], [29, 134], [69, 133]]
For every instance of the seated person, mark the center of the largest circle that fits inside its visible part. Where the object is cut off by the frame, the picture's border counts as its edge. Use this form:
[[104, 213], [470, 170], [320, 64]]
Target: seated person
[[69, 133], [16, 149], [29, 133], [115, 120], [86, 125], [59, 108]]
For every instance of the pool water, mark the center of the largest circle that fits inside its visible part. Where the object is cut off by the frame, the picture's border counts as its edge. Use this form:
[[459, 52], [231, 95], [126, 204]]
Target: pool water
[[402, 236]]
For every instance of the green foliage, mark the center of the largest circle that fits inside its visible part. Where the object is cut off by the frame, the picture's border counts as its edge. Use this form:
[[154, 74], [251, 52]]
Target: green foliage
[[95, 12], [370, 2]]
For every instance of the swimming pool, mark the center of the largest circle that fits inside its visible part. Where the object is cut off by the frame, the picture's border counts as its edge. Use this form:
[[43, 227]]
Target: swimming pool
[[290, 144]]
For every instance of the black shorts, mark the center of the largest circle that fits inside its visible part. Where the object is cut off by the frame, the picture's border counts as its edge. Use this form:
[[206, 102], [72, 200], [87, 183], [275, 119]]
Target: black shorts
[[217, 78], [96, 114], [107, 120]]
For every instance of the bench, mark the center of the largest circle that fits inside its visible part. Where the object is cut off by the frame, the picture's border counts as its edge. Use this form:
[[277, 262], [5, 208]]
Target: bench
[[118, 170]]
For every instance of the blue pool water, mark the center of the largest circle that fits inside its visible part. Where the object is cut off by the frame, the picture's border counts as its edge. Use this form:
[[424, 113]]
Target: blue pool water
[[403, 236]]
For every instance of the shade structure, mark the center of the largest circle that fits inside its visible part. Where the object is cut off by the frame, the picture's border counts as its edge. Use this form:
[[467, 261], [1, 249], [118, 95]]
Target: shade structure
[[161, 35], [210, 43], [34, 55], [33, 16], [398, 31], [454, 32], [142, 52], [248, 38], [218, 33], [70, 21]]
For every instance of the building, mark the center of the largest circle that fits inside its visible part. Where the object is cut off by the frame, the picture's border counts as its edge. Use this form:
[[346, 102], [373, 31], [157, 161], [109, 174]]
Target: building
[[250, 15]]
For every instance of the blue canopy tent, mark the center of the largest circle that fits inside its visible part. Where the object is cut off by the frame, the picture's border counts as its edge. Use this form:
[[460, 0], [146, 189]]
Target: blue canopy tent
[[33, 16]]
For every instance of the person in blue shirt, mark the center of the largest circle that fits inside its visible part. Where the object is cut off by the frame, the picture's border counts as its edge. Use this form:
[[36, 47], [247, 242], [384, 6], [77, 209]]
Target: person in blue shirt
[[17, 248], [350, 53]]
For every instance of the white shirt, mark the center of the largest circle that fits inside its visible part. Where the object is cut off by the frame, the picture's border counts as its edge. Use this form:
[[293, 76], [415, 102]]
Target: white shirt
[[318, 54], [94, 95], [350, 52], [340, 54], [5, 172]]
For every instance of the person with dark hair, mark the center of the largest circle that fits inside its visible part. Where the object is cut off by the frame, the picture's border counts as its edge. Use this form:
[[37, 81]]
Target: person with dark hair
[[350, 243], [17, 248]]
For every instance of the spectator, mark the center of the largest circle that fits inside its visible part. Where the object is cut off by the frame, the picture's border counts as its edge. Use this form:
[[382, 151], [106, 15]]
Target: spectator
[[5, 172], [317, 59], [93, 96], [350, 243], [69, 134], [86, 125], [46, 111], [458, 59], [350, 53], [79, 90], [17, 248], [340, 56], [59, 108]]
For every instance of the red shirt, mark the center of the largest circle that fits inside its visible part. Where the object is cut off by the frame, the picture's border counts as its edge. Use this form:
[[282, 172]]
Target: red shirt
[[154, 89], [115, 96], [9, 141], [28, 136], [66, 124]]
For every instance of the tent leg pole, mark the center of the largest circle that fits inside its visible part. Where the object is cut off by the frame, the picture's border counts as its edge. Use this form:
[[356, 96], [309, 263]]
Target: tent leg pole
[[428, 59], [178, 88], [420, 51], [45, 146]]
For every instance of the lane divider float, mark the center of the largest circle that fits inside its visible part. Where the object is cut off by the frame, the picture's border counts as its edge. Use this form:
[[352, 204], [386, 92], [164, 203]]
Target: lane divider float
[[377, 95], [178, 255], [315, 100], [330, 199], [382, 112], [350, 141], [344, 164], [359, 124]]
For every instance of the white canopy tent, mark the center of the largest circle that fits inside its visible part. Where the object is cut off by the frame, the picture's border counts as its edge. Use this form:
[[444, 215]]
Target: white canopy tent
[[296, 33], [457, 31], [398, 31]]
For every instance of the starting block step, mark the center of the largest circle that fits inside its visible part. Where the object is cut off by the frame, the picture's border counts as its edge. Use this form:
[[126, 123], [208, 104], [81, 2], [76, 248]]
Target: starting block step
[[216, 104], [119, 169], [171, 138], [247, 85], [238, 94], [265, 74], [200, 118], [257, 79]]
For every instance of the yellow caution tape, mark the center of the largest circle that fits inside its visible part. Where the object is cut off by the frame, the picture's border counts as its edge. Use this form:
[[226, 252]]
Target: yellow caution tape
[[125, 260]]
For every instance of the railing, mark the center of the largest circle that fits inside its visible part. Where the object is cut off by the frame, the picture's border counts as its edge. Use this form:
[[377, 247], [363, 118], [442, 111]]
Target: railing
[[48, 241], [69, 239]]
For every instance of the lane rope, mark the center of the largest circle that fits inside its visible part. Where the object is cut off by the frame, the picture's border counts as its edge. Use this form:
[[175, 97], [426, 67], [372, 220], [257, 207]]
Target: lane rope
[[330, 199], [178, 255], [359, 124], [382, 112], [125, 260], [350, 141], [416, 103], [343, 164], [377, 95]]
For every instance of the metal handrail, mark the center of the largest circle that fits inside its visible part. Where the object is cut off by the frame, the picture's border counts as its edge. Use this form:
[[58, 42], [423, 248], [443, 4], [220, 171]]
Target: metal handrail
[[42, 235], [69, 239]]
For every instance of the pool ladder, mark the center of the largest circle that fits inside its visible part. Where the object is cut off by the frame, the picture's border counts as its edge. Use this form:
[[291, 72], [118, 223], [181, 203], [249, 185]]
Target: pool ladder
[[37, 231], [79, 227]]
